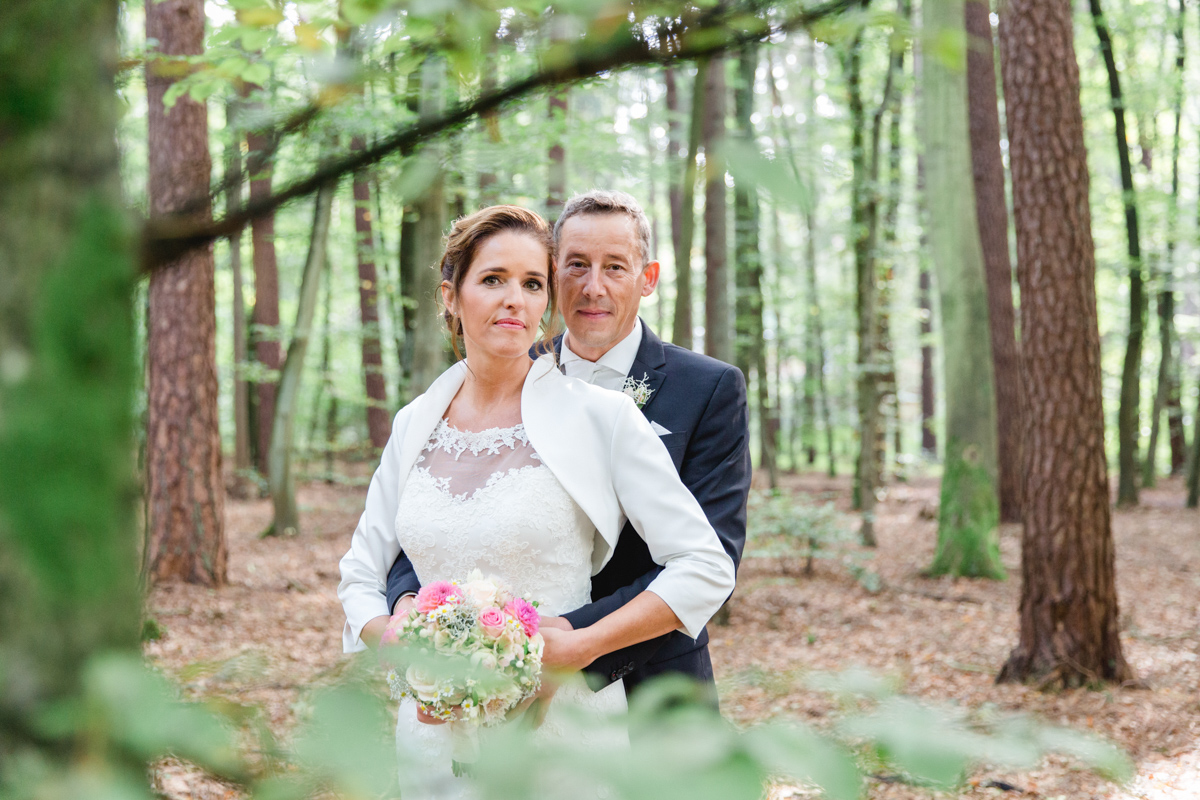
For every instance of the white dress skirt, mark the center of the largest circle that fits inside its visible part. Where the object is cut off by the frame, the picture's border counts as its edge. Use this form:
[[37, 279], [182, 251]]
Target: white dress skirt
[[483, 500]]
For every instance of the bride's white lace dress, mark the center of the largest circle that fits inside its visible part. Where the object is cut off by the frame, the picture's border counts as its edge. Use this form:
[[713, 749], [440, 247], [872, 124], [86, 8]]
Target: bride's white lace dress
[[483, 500]]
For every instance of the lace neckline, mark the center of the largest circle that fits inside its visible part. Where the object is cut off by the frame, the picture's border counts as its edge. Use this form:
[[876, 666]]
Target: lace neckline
[[490, 441]]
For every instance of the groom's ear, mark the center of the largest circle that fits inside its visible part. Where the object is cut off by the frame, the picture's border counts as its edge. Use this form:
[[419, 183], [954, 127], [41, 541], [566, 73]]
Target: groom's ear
[[650, 275]]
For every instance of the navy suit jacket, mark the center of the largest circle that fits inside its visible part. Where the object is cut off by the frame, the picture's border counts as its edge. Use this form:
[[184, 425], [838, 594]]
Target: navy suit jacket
[[702, 402]]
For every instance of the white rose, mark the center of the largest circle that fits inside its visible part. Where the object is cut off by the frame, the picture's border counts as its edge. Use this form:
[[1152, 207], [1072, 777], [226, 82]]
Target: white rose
[[483, 659], [423, 684], [481, 592]]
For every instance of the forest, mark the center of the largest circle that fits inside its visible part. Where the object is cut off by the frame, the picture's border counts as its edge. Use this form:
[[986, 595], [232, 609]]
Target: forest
[[953, 247]]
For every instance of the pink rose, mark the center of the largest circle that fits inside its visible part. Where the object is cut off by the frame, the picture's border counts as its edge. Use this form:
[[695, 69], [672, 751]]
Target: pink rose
[[492, 621], [523, 613], [435, 594]]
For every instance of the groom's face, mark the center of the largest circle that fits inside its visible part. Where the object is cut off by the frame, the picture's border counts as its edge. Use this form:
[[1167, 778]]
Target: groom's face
[[601, 281]]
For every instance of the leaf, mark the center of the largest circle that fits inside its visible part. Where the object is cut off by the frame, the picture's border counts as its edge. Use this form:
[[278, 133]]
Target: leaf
[[256, 73], [802, 755], [348, 742], [747, 163], [260, 17]]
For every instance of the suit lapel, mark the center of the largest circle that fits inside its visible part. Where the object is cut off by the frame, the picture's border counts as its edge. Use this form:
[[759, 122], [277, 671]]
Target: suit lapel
[[648, 365]]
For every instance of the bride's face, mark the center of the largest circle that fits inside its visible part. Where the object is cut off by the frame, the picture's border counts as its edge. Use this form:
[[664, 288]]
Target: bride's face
[[503, 296]]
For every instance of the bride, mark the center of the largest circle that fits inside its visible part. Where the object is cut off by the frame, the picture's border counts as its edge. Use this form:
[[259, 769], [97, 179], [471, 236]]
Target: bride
[[507, 466]]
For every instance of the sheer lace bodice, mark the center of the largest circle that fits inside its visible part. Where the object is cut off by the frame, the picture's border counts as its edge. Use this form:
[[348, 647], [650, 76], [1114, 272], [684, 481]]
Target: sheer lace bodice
[[484, 500]]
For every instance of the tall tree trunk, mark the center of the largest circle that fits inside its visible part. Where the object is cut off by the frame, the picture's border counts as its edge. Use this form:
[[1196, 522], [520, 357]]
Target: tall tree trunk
[[928, 396], [429, 341], [1068, 613], [1166, 395], [675, 166], [750, 350], [241, 396], [392, 294], [378, 424], [186, 495], [325, 385], [1128, 416], [969, 511], [266, 295], [280, 478], [68, 549], [1193, 475], [556, 179], [992, 213], [865, 479], [718, 341], [681, 333]]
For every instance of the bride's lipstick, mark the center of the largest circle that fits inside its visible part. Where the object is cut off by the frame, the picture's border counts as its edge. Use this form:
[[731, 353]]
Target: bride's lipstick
[[509, 322]]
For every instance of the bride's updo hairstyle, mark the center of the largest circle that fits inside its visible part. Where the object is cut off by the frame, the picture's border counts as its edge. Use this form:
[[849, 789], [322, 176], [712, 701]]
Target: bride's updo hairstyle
[[469, 233]]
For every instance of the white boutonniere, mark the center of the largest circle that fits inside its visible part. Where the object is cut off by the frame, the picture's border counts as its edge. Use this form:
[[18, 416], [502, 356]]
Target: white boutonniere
[[639, 391]]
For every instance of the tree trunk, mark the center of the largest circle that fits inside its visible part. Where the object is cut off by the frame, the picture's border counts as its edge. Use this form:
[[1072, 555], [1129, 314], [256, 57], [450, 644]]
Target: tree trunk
[[1068, 613], [928, 398], [378, 424], [992, 213], [1166, 395], [681, 333], [266, 297], [675, 169], [279, 477], [186, 495], [1193, 475], [241, 396], [968, 512], [429, 341], [556, 178], [718, 341], [325, 386], [748, 316], [1128, 416], [68, 550]]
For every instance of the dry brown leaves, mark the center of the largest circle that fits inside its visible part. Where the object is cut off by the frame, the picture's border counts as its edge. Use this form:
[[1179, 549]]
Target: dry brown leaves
[[275, 631]]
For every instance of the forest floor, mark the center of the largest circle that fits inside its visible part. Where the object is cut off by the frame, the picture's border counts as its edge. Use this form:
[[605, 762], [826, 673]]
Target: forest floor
[[275, 631]]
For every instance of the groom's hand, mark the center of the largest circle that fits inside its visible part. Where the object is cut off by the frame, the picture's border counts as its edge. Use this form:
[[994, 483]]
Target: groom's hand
[[567, 650], [560, 623]]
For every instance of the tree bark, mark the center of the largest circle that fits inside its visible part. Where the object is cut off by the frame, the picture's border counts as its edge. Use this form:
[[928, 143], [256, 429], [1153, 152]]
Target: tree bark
[[556, 178], [1166, 395], [68, 549], [750, 347], [681, 333], [928, 398], [186, 495], [1068, 612], [266, 297], [429, 341], [280, 477], [1128, 416], [718, 342], [241, 389], [378, 423], [675, 167], [969, 510], [992, 214]]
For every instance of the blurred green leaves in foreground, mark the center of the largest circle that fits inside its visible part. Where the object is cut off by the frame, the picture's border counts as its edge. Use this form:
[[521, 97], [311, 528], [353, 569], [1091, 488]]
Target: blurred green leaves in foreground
[[129, 715]]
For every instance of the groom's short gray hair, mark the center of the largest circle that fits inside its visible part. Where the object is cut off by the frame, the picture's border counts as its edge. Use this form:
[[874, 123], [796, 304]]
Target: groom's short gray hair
[[608, 201]]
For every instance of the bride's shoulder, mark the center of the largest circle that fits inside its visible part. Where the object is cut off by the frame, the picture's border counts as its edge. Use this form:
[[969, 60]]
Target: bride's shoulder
[[576, 395]]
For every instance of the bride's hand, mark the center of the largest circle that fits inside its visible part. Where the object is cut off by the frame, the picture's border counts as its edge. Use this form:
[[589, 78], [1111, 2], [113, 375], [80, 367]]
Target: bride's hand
[[428, 719], [537, 703]]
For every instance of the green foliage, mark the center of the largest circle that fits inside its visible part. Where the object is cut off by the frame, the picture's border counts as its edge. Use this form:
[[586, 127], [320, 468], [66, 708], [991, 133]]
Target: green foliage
[[786, 526]]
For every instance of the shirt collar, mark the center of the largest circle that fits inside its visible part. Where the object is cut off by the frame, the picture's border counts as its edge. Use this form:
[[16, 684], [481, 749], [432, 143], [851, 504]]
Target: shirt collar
[[619, 358]]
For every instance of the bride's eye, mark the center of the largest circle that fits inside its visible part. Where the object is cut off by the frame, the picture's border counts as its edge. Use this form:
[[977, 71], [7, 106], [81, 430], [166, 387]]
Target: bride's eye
[[533, 285], [491, 280]]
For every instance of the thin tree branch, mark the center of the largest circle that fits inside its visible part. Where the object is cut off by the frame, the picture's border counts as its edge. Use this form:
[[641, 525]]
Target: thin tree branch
[[166, 238]]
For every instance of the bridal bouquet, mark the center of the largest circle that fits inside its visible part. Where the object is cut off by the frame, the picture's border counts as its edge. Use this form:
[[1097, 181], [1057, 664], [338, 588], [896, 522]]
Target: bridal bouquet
[[469, 650]]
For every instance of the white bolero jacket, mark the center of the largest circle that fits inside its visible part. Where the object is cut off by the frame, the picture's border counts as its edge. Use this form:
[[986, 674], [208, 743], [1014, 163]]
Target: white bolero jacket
[[605, 455]]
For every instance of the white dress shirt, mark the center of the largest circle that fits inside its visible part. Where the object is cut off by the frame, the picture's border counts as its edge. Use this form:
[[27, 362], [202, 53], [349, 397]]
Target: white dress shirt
[[613, 367]]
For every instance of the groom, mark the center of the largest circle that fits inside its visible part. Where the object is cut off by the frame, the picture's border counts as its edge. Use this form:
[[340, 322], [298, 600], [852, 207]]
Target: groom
[[696, 404]]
